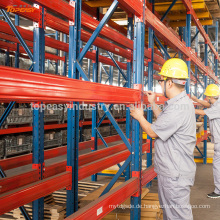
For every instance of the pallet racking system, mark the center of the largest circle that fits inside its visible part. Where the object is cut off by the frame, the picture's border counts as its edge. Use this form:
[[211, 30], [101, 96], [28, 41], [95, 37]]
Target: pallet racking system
[[37, 87]]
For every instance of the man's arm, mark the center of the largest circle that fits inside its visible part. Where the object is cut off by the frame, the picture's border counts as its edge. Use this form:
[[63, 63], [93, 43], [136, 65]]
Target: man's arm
[[202, 102], [151, 98], [146, 126], [138, 114], [200, 112], [156, 109]]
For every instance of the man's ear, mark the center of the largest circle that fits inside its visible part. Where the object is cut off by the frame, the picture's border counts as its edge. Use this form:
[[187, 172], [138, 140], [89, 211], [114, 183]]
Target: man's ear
[[170, 84]]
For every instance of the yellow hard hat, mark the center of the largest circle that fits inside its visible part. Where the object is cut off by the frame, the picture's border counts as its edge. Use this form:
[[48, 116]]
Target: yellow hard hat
[[212, 90], [175, 68]]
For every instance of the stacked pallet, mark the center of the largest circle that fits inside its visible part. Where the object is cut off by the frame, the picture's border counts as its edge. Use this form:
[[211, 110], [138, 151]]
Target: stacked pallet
[[150, 209]]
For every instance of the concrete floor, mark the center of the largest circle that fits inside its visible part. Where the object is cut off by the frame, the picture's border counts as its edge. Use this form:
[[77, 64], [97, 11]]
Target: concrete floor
[[203, 185]]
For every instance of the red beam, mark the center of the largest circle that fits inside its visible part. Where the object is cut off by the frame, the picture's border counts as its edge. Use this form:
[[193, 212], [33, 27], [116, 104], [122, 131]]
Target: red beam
[[99, 154], [21, 85], [107, 202], [30, 128], [50, 127], [148, 175], [25, 195], [23, 160]]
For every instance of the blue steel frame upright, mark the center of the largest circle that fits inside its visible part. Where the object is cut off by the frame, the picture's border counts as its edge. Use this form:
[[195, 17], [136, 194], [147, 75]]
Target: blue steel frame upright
[[136, 147], [17, 51], [38, 113], [150, 85], [216, 47], [188, 44], [138, 70], [205, 85], [196, 68], [73, 110], [130, 34], [95, 66]]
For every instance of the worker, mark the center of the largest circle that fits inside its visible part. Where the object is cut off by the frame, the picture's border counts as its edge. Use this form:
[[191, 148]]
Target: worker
[[175, 139], [212, 105]]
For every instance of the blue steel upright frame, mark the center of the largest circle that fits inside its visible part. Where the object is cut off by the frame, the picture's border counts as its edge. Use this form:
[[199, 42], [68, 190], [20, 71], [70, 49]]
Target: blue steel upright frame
[[138, 73], [17, 51], [216, 47], [188, 44], [150, 86], [129, 74], [138, 70], [196, 68], [95, 65], [73, 110], [38, 113], [205, 117]]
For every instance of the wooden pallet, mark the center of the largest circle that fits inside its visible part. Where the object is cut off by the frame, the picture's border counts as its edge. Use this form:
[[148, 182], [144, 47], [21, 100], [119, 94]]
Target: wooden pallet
[[150, 208]]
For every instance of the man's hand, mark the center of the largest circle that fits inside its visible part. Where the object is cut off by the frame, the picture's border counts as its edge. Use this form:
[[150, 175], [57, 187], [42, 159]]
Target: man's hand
[[137, 113], [151, 96], [194, 98]]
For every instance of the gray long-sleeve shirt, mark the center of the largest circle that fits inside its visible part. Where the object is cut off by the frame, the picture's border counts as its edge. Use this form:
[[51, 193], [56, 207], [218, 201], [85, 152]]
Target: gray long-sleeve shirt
[[213, 114], [176, 130]]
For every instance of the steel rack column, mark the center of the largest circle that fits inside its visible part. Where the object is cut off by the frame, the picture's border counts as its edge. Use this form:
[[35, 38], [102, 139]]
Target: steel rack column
[[196, 67], [38, 114], [57, 37], [188, 45], [138, 70], [181, 38], [95, 65], [111, 72], [150, 85], [205, 84], [89, 68], [165, 47], [7, 58], [119, 78], [216, 47], [129, 72], [184, 34], [65, 55], [73, 113], [17, 51]]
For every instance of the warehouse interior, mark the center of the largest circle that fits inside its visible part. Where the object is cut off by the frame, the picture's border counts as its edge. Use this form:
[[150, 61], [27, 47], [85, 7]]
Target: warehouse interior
[[70, 70]]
